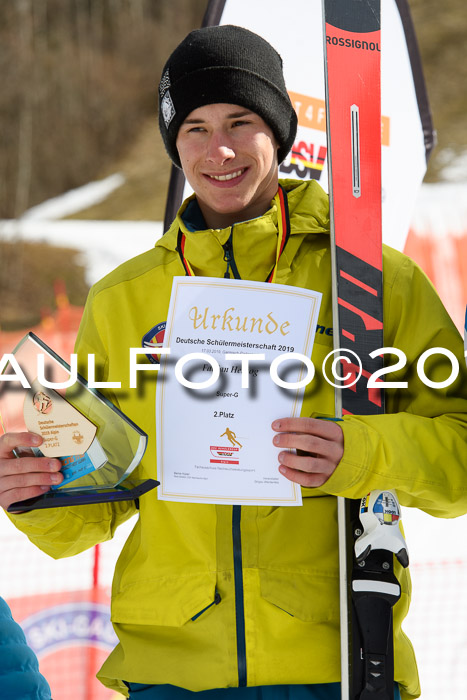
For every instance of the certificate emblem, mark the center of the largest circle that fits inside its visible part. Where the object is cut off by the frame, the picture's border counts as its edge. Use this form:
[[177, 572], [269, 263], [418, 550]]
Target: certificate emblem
[[231, 437], [227, 454], [224, 455]]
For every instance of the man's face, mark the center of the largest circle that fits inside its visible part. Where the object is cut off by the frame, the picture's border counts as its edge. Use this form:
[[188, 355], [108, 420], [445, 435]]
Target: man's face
[[229, 157]]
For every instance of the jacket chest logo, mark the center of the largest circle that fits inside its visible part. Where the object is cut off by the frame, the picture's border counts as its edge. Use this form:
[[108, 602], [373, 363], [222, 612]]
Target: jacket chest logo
[[154, 339]]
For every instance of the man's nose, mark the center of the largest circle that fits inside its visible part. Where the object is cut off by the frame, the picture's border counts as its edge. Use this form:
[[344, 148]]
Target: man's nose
[[219, 149]]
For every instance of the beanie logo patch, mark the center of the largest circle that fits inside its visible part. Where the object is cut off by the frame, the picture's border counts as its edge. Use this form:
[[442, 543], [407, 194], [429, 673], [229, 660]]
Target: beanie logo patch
[[165, 83], [168, 109]]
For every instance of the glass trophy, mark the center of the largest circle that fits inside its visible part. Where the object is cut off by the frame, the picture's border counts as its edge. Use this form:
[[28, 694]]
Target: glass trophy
[[98, 446]]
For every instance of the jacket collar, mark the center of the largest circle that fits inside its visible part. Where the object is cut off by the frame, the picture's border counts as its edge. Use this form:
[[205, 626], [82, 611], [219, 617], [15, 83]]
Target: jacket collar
[[254, 241]]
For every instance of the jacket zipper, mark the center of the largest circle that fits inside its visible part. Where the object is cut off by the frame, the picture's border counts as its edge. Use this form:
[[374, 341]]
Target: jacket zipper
[[216, 601], [236, 531], [239, 603], [229, 258]]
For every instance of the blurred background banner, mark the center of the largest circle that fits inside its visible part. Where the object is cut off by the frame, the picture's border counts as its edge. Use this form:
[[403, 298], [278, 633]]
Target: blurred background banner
[[83, 187]]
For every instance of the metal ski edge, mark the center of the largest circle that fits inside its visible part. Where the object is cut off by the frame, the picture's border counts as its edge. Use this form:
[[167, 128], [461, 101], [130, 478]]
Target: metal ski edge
[[341, 504]]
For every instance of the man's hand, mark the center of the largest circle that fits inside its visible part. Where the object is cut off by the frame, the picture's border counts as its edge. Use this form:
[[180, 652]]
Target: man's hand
[[319, 444], [24, 477]]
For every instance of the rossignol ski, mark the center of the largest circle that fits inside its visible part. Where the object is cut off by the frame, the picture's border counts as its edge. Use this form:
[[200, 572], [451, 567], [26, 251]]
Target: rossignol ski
[[369, 531]]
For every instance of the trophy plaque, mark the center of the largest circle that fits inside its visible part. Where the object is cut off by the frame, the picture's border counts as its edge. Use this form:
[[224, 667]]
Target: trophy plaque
[[98, 446]]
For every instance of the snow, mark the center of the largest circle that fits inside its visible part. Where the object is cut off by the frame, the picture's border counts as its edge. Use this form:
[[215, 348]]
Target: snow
[[103, 244], [75, 200], [441, 209], [455, 165], [432, 539]]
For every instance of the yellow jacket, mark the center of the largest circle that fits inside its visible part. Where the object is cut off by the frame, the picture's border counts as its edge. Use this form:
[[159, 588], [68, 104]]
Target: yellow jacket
[[208, 596]]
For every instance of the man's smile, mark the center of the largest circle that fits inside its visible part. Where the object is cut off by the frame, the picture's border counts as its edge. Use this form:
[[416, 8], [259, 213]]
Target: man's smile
[[227, 176]]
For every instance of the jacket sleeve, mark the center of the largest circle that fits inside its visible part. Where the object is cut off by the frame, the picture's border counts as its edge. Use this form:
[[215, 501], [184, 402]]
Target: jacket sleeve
[[419, 448], [65, 531], [19, 667]]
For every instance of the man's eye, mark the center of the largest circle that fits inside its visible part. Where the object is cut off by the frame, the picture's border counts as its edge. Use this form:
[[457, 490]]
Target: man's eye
[[240, 122]]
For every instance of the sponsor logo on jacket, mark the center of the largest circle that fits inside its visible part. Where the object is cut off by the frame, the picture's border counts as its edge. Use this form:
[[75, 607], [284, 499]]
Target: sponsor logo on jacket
[[154, 339]]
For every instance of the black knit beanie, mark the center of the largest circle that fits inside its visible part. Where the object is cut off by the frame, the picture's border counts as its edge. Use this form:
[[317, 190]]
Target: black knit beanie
[[225, 64]]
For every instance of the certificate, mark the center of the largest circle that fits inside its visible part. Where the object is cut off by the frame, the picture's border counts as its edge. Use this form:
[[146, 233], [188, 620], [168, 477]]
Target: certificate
[[229, 368]]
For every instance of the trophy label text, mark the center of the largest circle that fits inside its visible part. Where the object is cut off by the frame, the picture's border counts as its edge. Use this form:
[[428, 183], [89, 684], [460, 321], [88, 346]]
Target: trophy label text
[[64, 429]]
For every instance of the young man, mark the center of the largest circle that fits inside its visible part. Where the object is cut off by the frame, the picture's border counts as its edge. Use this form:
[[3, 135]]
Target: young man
[[233, 600]]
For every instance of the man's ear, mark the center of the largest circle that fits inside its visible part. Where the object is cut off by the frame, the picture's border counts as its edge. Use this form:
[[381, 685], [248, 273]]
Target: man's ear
[[277, 146]]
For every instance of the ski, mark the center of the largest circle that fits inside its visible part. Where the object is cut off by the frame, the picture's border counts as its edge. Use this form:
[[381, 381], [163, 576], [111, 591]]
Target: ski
[[368, 587]]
